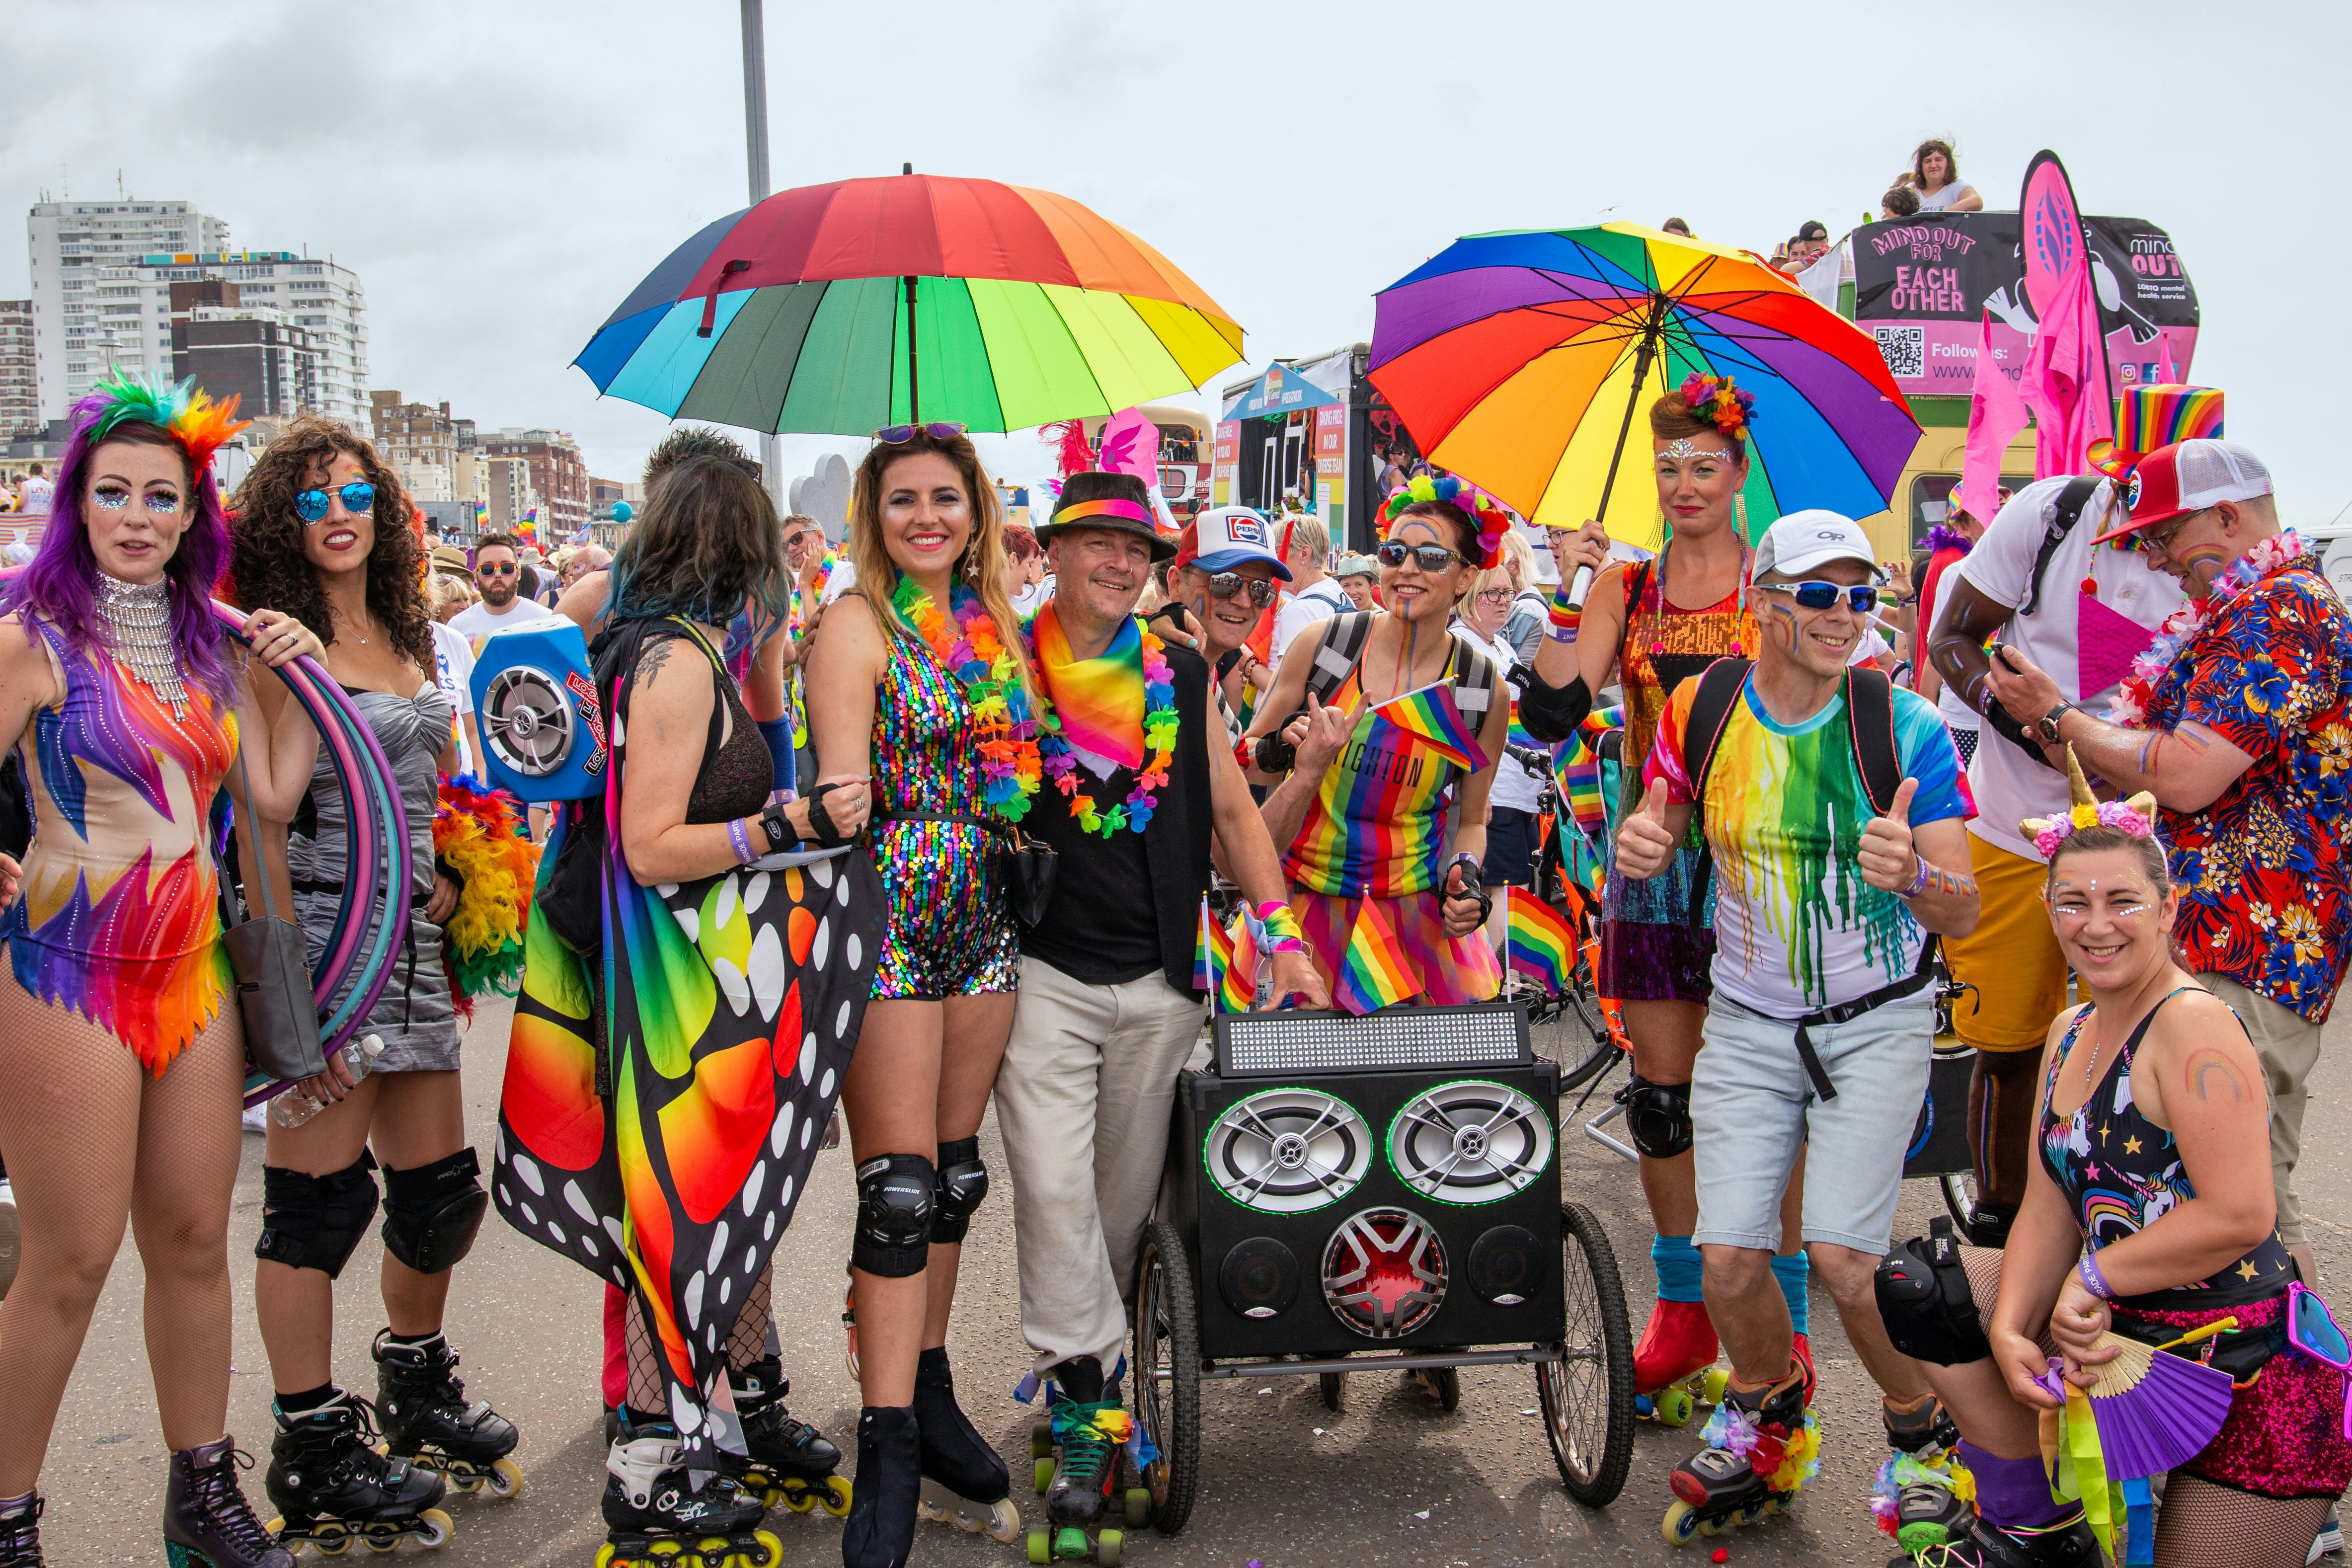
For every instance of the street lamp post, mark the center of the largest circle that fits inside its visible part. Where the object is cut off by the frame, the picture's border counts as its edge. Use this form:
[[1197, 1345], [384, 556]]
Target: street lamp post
[[755, 137]]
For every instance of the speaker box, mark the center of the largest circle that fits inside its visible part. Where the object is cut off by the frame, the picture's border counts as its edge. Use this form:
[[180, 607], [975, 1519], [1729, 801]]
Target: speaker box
[[1370, 1208], [1939, 1139]]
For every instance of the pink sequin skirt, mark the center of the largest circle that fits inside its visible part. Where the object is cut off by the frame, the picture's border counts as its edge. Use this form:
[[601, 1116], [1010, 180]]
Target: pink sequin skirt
[[2284, 1435]]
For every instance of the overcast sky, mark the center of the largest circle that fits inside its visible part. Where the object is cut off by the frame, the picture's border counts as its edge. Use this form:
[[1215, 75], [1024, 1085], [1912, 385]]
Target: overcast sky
[[501, 176]]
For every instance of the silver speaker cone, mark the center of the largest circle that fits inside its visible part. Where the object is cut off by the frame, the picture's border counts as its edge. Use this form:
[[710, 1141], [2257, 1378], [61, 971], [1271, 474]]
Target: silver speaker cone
[[1470, 1142], [1384, 1272], [1288, 1150], [527, 721]]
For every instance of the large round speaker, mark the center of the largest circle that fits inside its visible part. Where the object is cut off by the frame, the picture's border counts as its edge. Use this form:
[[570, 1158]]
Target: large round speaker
[[527, 721], [1506, 1265], [1288, 1150], [1384, 1272], [1259, 1277], [1470, 1142]]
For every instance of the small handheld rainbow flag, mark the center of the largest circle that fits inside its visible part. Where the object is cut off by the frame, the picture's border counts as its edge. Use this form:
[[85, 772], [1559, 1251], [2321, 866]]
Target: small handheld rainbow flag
[[1430, 716], [1224, 963], [1541, 942], [1373, 973]]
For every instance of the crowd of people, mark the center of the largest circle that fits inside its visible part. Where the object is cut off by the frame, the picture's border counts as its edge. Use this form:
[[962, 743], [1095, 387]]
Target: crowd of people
[[952, 794]]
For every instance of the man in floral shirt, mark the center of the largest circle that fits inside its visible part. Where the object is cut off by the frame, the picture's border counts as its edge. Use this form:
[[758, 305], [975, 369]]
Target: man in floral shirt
[[2237, 721]]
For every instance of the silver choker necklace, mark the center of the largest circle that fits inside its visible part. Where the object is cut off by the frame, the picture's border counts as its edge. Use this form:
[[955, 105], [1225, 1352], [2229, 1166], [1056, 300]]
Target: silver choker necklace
[[139, 631]]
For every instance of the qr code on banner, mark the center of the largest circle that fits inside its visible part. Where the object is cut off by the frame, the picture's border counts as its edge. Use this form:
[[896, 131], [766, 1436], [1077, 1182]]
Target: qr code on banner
[[1905, 348]]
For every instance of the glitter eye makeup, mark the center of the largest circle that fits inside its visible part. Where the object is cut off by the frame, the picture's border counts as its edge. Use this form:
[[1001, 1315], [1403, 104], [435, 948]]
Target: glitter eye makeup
[[113, 498], [163, 502]]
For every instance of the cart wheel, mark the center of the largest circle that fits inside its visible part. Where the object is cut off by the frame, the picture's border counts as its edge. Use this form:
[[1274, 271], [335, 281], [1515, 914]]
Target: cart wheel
[[1443, 1383], [1960, 1189], [1334, 1385], [1588, 1397], [1168, 1373]]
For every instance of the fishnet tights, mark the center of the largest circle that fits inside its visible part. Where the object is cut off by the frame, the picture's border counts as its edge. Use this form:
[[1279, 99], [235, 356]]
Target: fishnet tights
[[648, 1375]]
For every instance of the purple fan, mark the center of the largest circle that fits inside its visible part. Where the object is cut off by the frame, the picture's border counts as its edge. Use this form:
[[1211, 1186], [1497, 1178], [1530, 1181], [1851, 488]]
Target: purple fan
[[2154, 1410]]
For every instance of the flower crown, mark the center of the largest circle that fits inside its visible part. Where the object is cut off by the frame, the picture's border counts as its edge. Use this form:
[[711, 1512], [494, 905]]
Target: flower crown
[[1720, 402], [2135, 817], [1483, 508], [195, 419]]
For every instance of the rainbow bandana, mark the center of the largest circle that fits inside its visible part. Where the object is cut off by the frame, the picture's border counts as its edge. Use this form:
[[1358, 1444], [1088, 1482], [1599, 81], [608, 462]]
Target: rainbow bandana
[[1097, 702], [1108, 506]]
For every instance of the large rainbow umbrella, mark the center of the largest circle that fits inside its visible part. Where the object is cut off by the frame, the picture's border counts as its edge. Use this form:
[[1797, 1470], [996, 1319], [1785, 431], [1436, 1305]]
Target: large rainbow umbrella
[[1518, 361], [840, 308]]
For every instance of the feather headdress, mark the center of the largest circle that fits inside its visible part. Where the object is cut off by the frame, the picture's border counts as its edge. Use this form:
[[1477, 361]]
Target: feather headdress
[[196, 420], [2135, 816]]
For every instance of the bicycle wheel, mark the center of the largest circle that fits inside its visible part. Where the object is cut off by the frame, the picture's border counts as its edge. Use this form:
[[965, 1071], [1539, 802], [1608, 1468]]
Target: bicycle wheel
[[1588, 1397], [1168, 1373], [1580, 1015]]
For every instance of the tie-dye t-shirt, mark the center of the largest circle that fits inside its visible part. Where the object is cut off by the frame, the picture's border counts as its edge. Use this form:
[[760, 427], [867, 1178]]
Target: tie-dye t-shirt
[[1796, 928]]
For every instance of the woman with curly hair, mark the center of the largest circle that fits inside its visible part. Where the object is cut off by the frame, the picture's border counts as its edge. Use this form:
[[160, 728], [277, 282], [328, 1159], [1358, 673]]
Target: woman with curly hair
[[120, 1067], [308, 539]]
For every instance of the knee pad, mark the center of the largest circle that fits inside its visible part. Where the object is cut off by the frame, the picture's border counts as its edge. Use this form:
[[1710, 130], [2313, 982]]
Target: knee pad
[[1551, 713], [314, 1222], [430, 1213], [898, 1198], [1657, 1116], [1925, 1302], [963, 1182]]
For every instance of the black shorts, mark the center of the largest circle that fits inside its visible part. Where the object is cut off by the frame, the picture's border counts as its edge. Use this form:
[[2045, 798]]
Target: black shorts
[[1510, 847]]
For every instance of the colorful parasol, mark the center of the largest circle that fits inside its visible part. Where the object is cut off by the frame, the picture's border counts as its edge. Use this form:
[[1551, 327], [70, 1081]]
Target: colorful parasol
[[1520, 361], [842, 307]]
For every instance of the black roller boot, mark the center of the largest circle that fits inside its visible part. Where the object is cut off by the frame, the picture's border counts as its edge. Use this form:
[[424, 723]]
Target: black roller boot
[[964, 1482], [332, 1487], [428, 1423], [207, 1523], [880, 1529], [788, 1461], [2072, 1544]]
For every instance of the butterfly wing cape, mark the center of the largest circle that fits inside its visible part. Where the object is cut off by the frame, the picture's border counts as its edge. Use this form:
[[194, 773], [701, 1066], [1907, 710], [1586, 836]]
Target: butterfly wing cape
[[665, 1151]]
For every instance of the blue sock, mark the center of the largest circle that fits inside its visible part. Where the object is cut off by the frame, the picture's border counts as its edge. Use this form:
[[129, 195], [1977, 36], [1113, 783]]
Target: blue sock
[[1679, 1271], [1794, 1272]]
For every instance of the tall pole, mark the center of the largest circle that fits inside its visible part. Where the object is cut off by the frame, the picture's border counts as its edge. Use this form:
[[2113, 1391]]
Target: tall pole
[[755, 147]]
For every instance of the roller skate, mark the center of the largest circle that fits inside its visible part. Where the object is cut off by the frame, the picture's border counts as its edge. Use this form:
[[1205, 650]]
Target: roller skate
[[20, 1532], [880, 1529], [428, 1422], [964, 1483], [1674, 1365], [1923, 1496], [2071, 1544], [1762, 1446], [789, 1463], [1077, 1452], [656, 1517], [207, 1523], [331, 1486]]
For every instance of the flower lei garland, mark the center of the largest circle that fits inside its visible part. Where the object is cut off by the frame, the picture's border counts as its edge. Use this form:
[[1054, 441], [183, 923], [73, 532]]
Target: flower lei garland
[[823, 578], [990, 675], [2137, 691], [2131, 819], [1160, 725], [1484, 510], [1720, 402]]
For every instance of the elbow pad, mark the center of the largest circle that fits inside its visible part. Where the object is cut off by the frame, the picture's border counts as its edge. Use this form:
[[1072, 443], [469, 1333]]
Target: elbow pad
[[1551, 713]]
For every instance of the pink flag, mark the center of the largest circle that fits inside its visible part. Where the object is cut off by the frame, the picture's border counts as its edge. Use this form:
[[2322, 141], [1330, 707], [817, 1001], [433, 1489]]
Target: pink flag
[[2064, 382], [1996, 413], [1130, 445], [2165, 373]]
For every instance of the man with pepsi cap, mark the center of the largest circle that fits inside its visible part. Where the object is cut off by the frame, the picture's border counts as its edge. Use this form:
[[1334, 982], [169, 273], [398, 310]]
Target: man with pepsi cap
[[1222, 581], [2239, 721], [1141, 782]]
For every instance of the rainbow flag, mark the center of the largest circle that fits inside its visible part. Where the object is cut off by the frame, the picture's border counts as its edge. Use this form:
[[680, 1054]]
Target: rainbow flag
[[1431, 717], [1579, 770], [1224, 962], [1372, 973], [1540, 942]]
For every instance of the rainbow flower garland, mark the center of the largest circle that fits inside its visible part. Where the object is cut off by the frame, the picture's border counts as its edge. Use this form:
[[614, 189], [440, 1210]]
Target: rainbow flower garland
[[971, 652], [1160, 725], [2136, 690], [824, 579], [1720, 402]]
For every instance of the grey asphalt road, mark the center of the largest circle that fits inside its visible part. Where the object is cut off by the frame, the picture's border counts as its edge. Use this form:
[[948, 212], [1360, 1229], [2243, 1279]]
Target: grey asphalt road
[[1392, 1480]]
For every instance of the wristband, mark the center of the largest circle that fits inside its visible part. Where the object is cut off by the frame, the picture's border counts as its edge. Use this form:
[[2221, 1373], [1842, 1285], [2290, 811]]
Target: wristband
[[1241, 754], [2093, 1281], [741, 839], [821, 821], [1918, 878], [1281, 923], [1564, 616], [777, 828]]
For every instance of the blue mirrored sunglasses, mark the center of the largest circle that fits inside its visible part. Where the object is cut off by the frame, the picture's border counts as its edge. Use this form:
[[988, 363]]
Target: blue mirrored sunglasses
[[359, 496], [1862, 598]]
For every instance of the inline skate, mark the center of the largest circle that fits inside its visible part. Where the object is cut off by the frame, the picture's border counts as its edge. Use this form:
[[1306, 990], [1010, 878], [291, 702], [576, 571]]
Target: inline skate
[[1923, 1496], [332, 1487], [1077, 1450], [1762, 1444], [964, 1482], [428, 1422], [789, 1463], [2070, 1544], [207, 1523], [656, 1517]]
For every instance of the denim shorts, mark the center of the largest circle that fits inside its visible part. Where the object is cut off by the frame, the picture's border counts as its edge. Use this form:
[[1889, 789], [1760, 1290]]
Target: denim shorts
[[1750, 1116]]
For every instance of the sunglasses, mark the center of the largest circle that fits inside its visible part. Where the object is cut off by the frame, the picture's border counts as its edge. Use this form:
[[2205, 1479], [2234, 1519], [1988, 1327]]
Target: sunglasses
[[1229, 584], [1859, 598], [2310, 1328], [1428, 557], [899, 434], [359, 496], [498, 569]]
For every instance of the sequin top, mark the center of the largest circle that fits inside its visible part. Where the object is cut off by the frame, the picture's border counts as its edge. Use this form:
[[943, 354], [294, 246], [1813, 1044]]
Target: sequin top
[[925, 739]]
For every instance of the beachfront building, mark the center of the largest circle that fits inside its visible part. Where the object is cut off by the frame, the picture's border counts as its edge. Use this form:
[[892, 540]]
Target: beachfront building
[[88, 310]]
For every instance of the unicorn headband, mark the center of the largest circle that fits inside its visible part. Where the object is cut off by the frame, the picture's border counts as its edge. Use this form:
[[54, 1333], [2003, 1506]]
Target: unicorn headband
[[197, 421], [1484, 510], [2135, 817]]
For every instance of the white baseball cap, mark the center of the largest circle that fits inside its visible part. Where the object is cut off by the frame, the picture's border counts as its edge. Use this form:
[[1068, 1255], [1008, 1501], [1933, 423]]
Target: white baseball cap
[[1224, 537], [1802, 540]]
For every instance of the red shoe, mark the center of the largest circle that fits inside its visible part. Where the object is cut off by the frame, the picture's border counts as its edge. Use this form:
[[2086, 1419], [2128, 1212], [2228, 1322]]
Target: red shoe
[[1678, 1342], [1801, 1347]]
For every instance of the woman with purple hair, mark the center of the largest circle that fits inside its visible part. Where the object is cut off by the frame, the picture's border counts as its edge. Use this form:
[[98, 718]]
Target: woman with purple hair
[[122, 1063]]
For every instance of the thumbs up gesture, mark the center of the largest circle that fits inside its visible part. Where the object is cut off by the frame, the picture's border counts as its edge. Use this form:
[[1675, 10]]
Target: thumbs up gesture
[[1645, 843], [1888, 860]]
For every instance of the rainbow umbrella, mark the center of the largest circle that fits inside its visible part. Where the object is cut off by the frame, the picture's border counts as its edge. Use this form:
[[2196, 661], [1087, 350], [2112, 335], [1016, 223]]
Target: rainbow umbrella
[[1518, 361], [840, 308]]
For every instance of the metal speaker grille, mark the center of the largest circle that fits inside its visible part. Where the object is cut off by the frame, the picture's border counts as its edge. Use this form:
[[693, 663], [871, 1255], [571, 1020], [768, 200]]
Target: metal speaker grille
[[1288, 1150], [527, 721], [1384, 1272], [1483, 1035], [1470, 1142]]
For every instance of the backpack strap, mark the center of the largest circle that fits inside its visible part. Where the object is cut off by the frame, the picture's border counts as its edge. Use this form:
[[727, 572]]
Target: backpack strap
[[1474, 690], [1870, 724], [1720, 686], [2063, 518], [1342, 645]]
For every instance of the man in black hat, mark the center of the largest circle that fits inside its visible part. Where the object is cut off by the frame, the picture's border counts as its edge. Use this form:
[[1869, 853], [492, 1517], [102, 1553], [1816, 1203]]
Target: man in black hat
[[1140, 780]]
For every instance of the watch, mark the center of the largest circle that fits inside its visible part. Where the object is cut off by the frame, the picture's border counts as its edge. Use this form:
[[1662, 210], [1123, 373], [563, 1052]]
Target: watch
[[2047, 728]]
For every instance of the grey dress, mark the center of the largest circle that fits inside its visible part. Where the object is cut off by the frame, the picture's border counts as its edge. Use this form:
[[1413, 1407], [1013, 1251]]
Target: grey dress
[[414, 1017]]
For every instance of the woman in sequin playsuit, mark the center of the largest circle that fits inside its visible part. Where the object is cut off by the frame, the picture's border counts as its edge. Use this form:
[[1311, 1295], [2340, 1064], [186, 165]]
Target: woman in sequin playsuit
[[121, 1054], [920, 681]]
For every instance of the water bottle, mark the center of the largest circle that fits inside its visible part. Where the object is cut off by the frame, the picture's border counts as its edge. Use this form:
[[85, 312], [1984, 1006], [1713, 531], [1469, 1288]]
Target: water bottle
[[293, 1108]]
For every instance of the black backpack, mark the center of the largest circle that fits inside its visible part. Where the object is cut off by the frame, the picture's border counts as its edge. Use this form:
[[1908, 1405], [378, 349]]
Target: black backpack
[[1342, 647]]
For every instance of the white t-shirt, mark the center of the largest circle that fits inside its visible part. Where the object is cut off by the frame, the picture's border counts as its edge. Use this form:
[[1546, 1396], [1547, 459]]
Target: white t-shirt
[[1303, 609], [36, 494], [1951, 193], [2131, 603], [453, 670], [477, 621], [1513, 785]]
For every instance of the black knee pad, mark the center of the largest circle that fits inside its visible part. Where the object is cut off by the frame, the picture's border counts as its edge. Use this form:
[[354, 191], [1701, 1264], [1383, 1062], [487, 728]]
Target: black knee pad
[[1657, 1116], [1925, 1302], [430, 1213], [897, 1198], [963, 1182], [1551, 713], [314, 1222]]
